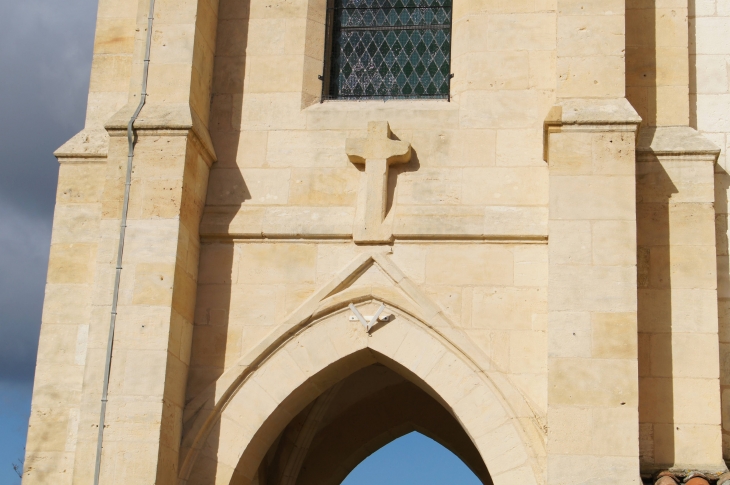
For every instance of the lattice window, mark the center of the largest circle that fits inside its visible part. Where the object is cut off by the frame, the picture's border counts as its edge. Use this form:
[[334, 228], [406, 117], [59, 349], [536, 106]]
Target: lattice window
[[379, 49]]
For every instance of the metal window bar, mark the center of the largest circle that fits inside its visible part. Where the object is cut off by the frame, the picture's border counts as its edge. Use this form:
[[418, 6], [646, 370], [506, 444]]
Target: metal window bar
[[387, 51]]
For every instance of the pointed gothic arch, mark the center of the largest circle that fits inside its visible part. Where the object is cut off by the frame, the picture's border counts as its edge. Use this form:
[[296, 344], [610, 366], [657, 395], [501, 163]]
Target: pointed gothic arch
[[227, 436]]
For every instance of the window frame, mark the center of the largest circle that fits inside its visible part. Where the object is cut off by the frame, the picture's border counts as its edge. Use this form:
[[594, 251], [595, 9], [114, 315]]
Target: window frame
[[327, 67]]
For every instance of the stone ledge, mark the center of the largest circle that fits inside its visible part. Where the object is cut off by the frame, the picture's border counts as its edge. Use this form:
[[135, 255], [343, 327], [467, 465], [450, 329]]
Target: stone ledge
[[86, 144], [675, 140], [162, 118], [589, 111], [588, 114], [408, 222]]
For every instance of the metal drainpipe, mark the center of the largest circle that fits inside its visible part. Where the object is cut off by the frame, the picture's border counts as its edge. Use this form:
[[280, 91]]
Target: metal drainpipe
[[120, 251]]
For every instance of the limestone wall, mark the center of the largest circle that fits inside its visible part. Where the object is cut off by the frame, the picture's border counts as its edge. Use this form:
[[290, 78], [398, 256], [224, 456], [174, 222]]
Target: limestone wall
[[710, 114], [282, 169], [496, 293], [510, 230], [469, 212]]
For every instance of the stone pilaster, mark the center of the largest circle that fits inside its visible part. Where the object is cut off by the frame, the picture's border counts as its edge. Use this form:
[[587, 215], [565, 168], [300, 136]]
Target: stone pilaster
[[592, 356], [173, 154], [57, 392], [678, 322], [156, 304]]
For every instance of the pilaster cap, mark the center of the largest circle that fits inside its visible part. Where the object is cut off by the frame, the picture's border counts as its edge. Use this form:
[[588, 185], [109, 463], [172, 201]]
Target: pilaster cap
[[590, 111], [674, 140], [163, 117], [89, 143]]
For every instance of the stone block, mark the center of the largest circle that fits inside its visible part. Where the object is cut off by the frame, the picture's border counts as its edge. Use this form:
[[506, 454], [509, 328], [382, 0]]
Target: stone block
[[277, 263], [255, 304], [591, 382], [571, 242], [419, 352], [227, 220], [593, 288], [307, 149], [309, 221], [518, 148], [575, 425], [598, 470], [698, 402], [110, 73], [448, 299], [450, 377], [500, 109], [695, 355], [477, 147], [590, 35], [242, 149], [515, 221], [507, 69], [272, 111], [326, 187], [153, 284], [71, 263], [65, 304], [430, 187], [531, 266], [578, 7], [692, 267], [528, 352], [74, 224], [699, 444], [507, 308], [585, 197], [251, 186], [593, 76], [500, 186], [438, 221], [570, 334], [507, 455], [615, 432], [537, 31], [80, 184], [452, 264], [543, 69], [268, 74], [614, 335], [610, 250]]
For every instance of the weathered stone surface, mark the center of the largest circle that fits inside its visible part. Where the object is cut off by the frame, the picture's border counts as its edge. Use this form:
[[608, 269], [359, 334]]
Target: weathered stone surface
[[550, 242]]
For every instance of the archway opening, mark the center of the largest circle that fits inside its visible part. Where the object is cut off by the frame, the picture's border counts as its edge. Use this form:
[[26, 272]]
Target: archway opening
[[412, 459], [360, 416], [272, 420]]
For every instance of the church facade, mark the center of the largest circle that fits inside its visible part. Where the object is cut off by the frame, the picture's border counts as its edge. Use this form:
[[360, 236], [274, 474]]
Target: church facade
[[292, 231]]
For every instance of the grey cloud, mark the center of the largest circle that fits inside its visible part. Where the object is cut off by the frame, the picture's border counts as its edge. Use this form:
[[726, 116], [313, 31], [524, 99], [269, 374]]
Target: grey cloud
[[45, 59], [24, 241]]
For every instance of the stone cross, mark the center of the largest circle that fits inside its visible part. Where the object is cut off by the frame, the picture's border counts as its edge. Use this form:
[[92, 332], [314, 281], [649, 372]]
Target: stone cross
[[378, 151]]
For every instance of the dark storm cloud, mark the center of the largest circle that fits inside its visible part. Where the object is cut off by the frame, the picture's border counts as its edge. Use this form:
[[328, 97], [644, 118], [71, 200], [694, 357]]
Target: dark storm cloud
[[45, 58]]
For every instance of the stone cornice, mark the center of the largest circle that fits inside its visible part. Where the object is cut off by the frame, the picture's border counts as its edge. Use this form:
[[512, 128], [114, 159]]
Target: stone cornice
[[589, 114], [675, 141], [87, 146], [163, 119], [92, 144]]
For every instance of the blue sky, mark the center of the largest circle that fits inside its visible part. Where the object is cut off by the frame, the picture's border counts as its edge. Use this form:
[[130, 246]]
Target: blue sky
[[412, 460], [45, 59]]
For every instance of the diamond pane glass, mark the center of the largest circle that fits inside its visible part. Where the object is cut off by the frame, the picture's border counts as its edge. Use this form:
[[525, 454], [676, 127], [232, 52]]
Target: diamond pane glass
[[390, 49]]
